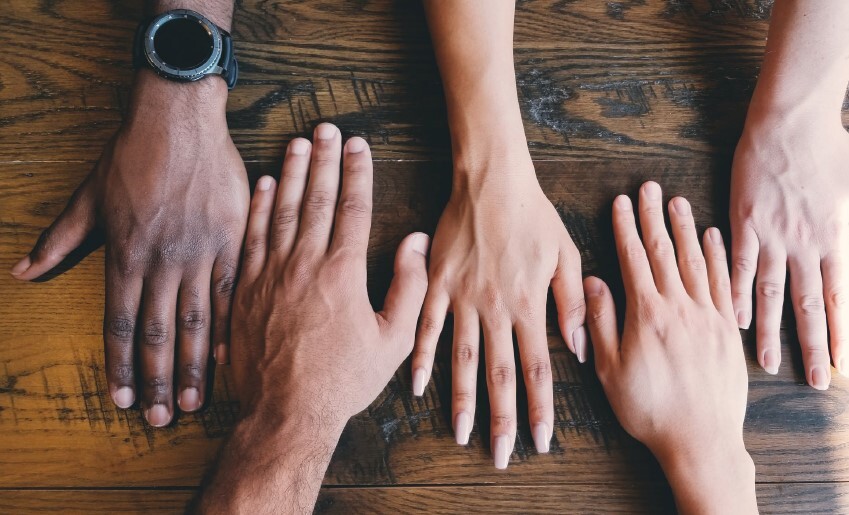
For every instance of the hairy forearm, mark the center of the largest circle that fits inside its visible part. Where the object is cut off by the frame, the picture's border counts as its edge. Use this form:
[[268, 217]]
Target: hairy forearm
[[220, 12], [806, 65], [474, 50]]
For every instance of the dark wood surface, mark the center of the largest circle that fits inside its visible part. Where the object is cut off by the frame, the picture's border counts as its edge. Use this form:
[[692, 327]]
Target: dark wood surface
[[613, 93]]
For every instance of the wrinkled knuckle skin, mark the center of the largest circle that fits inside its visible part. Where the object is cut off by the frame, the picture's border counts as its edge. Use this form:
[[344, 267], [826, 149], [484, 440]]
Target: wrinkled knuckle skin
[[319, 200], [428, 327], [694, 263], [634, 251], [254, 247], [501, 375], [155, 334], [354, 206], [193, 321], [422, 356], [811, 305], [158, 386], [538, 373], [661, 247], [770, 290], [502, 422], [463, 398], [121, 327], [225, 285], [651, 315], [838, 298], [122, 373], [743, 264], [577, 311], [193, 372], [465, 354]]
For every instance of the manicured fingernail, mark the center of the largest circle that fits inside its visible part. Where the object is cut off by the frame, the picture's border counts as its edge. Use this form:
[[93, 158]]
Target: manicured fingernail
[[264, 183], [819, 378], [682, 207], [841, 367], [501, 451], [462, 428], [579, 340], [420, 243], [744, 318], [221, 354], [541, 437], [21, 266], [157, 415], [771, 361], [623, 202], [325, 131], [651, 190], [189, 399], [418, 382], [356, 145], [715, 236], [124, 397], [299, 147]]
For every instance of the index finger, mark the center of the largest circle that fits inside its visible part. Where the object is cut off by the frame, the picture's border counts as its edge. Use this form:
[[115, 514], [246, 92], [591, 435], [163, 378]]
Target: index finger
[[353, 213], [636, 272]]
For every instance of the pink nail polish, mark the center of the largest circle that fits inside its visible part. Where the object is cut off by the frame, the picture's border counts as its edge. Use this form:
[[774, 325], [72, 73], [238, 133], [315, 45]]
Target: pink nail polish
[[501, 450], [419, 381], [542, 437], [579, 341], [462, 428]]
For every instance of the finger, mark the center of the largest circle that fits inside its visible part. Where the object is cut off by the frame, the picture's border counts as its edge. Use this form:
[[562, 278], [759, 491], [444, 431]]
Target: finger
[[657, 243], [636, 273], [717, 270], [430, 327], [123, 296], [464, 371], [601, 319], [770, 293], [536, 369], [744, 260], [406, 293], [223, 287], [569, 297], [806, 291], [501, 384], [290, 194], [691, 261], [256, 235], [156, 347], [353, 214], [836, 282], [322, 191], [193, 330], [65, 234]]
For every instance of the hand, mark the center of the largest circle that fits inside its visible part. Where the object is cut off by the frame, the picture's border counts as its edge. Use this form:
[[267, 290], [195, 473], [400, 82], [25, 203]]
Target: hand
[[498, 246], [171, 195], [790, 209], [676, 379]]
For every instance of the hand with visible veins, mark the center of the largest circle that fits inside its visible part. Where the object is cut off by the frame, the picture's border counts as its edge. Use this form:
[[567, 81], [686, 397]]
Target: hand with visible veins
[[790, 190], [676, 378], [308, 350]]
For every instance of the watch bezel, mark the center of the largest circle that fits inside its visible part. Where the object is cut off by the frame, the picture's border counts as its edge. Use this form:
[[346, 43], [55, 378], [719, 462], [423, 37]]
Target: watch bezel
[[193, 74]]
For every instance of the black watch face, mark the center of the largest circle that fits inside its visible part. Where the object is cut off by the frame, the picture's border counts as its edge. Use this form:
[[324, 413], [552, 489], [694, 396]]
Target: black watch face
[[183, 43]]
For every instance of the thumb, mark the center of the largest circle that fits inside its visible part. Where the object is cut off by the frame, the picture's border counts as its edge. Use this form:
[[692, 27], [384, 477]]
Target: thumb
[[65, 234], [601, 319], [407, 291]]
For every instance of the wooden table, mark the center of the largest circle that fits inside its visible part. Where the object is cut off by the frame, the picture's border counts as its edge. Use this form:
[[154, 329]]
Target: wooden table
[[613, 93]]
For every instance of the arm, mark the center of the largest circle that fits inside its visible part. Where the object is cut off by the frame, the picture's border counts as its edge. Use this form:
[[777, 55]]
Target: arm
[[308, 350], [170, 195], [676, 378], [500, 243], [790, 188]]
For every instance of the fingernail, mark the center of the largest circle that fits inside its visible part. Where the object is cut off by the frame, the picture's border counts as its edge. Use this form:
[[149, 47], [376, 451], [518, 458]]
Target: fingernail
[[21, 266], [744, 318], [462, 428], [579, 341], [715, 236], [418, 382], [157, 415], [841, 367], [623, 202], [771, 361], [124, 397], [682, 207], [221, 354], [189, 399], [420, 243], [651, 190], [501, 451], [264, 183], [819, 378], [325, 131], [541, 437], [299, 147], [356, 145]]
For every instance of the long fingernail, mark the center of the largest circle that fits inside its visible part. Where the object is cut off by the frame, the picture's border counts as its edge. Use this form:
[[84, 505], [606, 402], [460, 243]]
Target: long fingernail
[[221, 354], [819, 378], [462, 428], [124, 397], [841, 367], [21, 266], [189, 399], [418, 382], [325, 131], [542, 437], [651, 190], [579, 341], [744, 318], [771, 361], [157, 415], [501, 451]]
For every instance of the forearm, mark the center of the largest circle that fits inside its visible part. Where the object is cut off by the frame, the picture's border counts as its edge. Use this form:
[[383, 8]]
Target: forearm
[[474, 50], [270, 467], [806, 65]]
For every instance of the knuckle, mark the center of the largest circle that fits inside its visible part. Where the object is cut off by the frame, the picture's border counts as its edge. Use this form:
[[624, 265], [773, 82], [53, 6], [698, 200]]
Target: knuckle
[[661, 247], [811, 305], [193, 371], [121, 327], [155, 333], [354, 206], [503, 421], [286, 216], [422, 356], [501, 375], [770, 290], [463, 397], [694, 262], [744, 264], [429, 326], [158, 385], [634, 251], [122, 372], [226, 283], [577, 310], [538, 372], [492, 300], [319, 200], [254, 247], [465, 354], [838, 298], [193, 320], [719, 284], [651, 315]]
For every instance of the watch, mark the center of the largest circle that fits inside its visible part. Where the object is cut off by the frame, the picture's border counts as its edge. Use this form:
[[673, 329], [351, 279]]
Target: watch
[[184, 46]]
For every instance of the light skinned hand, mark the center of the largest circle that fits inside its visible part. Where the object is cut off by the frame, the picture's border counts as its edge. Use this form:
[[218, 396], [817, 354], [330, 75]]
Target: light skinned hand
[[498, 247], [676, 378], [171, 195]]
